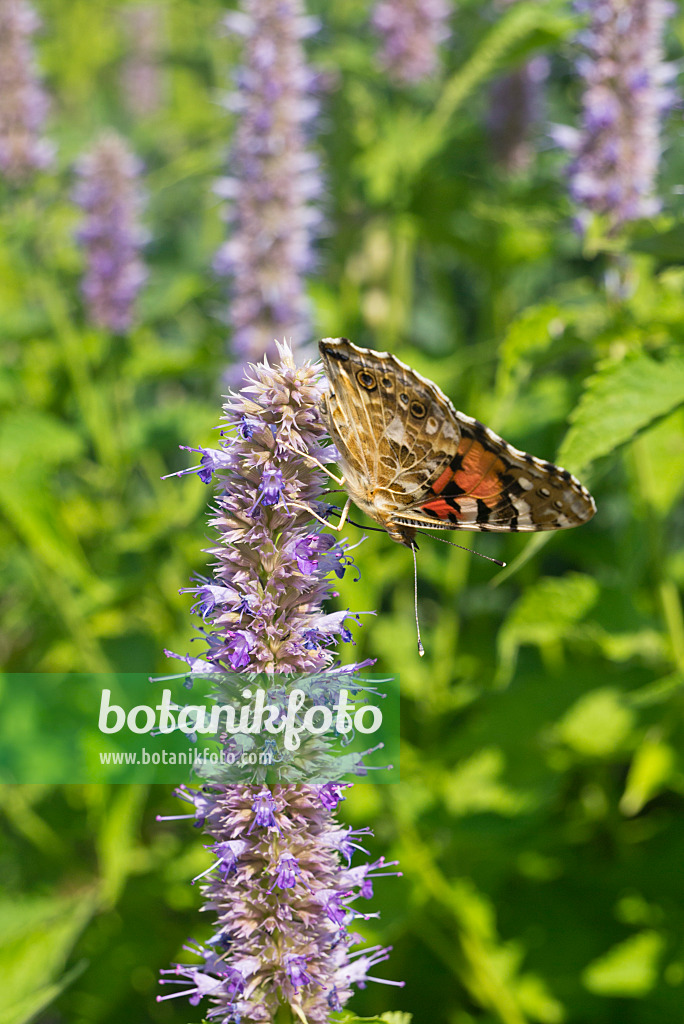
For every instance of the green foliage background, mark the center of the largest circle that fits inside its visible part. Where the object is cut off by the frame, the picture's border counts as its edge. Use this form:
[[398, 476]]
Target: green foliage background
[[538, 822]]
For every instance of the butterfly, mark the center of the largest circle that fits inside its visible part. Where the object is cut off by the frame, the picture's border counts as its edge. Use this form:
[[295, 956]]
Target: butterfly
[[411, 461]]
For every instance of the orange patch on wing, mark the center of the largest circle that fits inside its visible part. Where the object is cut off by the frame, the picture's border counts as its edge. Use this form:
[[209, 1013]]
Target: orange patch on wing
[[441, 481], [480, 472], [440, 507]]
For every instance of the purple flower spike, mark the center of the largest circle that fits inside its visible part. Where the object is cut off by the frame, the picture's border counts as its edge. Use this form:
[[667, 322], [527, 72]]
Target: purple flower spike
[[23, 102], [274, 181], [626, 92], [282, 885], [141, 80], [111, 235], [411, 33]]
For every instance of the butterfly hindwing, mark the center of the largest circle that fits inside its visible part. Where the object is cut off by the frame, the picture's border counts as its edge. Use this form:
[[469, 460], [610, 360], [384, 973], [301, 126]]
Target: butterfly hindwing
[[490, 485]]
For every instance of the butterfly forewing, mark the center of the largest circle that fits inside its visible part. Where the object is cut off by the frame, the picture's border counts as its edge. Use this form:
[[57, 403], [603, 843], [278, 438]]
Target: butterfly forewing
[[395, 431], [411, 460]]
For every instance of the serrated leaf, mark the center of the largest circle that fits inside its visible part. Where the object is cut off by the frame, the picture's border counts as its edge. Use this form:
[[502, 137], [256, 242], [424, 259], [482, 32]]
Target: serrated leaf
[[620, 400]]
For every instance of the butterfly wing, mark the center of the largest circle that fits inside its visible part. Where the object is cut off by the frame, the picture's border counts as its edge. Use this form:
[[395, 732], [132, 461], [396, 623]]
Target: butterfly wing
[[489, 485], [394, 430]]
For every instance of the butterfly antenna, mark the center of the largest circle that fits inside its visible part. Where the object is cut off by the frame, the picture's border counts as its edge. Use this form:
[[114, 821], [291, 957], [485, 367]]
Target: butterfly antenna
[[421, 649], [451, 544]]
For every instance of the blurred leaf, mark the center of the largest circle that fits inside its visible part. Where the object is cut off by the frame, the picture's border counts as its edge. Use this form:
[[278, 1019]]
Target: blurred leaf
[[37, 938], [117, 838], [598, 725], [538, 1002], [27, 1008], [650, 771], [533, 331], [661, 461], [543, 616], [620, 400], [30, 437], [629, 969], [477, 785]]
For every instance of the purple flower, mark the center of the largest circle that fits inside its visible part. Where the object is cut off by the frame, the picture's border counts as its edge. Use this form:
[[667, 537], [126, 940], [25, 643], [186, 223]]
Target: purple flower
[[411, 33], [282, 884], [274, 180], [281, 937], [626, 92], [23, 102], [110, 234], [141, 78], [288, 872], [242, 643], [272, 485]]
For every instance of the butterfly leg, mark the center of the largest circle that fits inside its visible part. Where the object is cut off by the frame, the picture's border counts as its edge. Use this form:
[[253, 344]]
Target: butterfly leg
[[339, 480], [335, 529]]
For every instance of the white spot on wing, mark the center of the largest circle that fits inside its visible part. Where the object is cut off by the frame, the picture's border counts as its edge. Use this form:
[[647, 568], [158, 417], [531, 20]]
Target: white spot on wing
[[396, 430]]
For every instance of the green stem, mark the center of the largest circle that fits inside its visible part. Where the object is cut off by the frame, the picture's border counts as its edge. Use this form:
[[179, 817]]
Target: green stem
[[97, 418]]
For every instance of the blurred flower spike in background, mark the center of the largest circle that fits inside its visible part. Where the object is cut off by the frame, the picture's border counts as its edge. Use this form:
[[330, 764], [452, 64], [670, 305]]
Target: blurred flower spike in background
[[111, 235], [627, 89], [411, 32], [23, 101], [274, 180], [282, 885]]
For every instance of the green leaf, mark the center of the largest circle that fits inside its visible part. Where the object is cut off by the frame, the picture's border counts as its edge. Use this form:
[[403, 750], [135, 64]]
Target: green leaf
[[33, 437], [651, 769], [628, 969], [37, 938], [620, 400], [598, 725], [543, 616], [28, 1008], [478, 785], [117, 838]]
